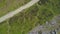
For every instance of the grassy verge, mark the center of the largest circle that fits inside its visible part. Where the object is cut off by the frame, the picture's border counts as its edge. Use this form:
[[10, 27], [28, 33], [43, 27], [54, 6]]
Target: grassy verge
[[3, 28], [23, 22], [10, 5]]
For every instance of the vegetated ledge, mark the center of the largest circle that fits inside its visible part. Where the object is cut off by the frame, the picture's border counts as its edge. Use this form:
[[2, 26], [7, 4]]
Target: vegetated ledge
[[25, 21], [49, 27]]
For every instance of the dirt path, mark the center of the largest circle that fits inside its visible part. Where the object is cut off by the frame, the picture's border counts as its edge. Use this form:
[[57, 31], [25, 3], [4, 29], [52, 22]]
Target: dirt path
[[11, 14]]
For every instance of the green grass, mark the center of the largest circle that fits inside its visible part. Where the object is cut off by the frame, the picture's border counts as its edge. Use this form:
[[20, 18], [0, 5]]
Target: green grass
[[23, 22], [10, 5], [3, 28]]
